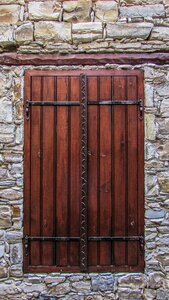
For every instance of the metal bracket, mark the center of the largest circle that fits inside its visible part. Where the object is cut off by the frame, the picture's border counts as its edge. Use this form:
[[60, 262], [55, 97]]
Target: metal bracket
[[26, 238], [27, 109], [141, 108]]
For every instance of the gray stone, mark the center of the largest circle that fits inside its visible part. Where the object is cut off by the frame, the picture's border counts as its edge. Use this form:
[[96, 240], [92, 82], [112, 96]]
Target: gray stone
[[24, 33], [13, 157], [53, 31], [81, 286], [10, 194], [149, 11], [102, 282], [60, 289], [6, 112], [154, 214], [5, 217], [16, 254], [162, 295], [151, 185], [133, 30], [2, 250], [160, 33]]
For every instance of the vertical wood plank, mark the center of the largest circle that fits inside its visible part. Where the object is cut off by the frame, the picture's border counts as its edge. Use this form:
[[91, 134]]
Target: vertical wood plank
[[119, 170], [92, 170], [47, 170], [105, 171], [35, 171], [74, 207], [132, 186], [62, 170]]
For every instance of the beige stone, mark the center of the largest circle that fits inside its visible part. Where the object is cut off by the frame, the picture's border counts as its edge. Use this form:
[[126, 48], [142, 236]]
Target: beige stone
[[44, 10], [53, 31], [150, 130], [106, 11], [5, 217], [164, 182], [86, 32], [12, 2], [141, 2], [24, 33], [6, 35], [143, 11], [9, 14], [164, 151], [77, 10], [133, 30]]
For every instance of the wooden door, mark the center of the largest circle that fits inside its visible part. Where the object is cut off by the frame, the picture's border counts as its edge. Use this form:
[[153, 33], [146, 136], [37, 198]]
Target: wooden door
[[84, 166]]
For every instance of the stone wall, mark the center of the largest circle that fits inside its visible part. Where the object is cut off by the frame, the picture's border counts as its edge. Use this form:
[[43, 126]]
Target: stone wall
[[154, 283], [84, 26]]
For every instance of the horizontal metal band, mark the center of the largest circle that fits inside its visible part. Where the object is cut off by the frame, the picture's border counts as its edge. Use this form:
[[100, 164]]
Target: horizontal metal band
[[75, 103], [91, 238]]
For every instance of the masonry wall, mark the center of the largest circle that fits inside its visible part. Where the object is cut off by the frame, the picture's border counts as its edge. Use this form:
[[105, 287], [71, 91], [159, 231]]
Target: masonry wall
[[85, 27]]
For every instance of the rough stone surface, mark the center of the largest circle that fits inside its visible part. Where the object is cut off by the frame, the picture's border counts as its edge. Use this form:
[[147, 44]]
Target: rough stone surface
[[44, 10], [138, 30], [9, 14], [143, 11], [85, 32], [24, 33], [106, 11], [58, 32]]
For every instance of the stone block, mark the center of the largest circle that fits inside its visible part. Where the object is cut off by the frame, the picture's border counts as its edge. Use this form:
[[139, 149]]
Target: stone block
[[60, 289], [164, 182], [6, 35], [2, 85], [106, 11], [154, 214], [16, 271], [164, 151], [16, 253], [132, 30], [82, 286], [160, 33], [150, 129], [3, 270], [12, 2], [86, 32], [6, 133], [149, 94], [163, 126], [76, 11], [5, 217], [148, 11], [53, 31], [151, 185], [47, 10], [6, 111], [10, 194], [9, 14], [24, 33], [11, 157], [102, 283], [2, 250]]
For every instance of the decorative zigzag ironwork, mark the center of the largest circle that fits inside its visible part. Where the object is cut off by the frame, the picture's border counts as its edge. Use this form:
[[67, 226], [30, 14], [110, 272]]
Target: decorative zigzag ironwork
[[83, 234]]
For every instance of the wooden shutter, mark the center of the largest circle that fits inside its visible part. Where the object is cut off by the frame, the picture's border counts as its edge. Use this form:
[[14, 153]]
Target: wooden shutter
[[84, 171]]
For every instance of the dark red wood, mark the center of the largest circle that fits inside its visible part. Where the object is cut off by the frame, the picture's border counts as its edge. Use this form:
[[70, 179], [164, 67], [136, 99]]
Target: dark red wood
[[93, 171], [158, 58], [115, 171], [35, 205]]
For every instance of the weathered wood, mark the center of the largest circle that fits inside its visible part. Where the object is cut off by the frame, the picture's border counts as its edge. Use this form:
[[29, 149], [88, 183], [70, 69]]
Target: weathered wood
[[83, 59], [115, 180]]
